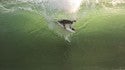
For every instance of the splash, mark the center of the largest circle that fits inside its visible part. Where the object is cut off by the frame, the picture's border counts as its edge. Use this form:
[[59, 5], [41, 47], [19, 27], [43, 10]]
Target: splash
[[68, 6]]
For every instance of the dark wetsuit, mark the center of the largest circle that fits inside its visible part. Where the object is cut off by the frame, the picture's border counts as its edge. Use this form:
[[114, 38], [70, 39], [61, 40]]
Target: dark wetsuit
[[65, 21]]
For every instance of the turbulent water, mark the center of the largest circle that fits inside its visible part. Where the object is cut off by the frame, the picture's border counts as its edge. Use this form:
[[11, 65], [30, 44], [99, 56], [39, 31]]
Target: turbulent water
[[31, 40]]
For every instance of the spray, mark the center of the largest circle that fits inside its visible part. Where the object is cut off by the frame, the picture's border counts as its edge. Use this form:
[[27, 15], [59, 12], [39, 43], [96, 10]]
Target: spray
[[54, 10]]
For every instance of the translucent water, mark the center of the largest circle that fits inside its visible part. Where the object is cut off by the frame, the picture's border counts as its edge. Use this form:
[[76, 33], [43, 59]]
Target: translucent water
[[31, 40], [54, 10]]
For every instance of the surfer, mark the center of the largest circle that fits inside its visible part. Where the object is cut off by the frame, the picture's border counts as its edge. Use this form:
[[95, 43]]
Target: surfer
[[67, 24]]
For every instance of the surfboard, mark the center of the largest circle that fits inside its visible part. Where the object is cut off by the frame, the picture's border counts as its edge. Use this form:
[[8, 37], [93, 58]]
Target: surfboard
[[67, 27]]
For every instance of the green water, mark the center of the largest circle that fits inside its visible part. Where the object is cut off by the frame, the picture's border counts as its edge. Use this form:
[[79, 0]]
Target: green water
[[26, 42]]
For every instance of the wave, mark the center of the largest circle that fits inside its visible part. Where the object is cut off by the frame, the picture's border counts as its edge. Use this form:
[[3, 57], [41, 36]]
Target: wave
[[54, 10]]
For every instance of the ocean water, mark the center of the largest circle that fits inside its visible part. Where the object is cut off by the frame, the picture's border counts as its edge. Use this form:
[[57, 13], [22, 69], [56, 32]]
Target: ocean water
[[28, 41]]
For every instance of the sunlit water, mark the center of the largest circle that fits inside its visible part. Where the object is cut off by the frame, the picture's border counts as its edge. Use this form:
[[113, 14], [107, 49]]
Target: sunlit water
[[30, 40]]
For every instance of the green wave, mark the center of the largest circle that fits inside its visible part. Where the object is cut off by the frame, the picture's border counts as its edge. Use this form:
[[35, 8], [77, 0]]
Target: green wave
[[26, 42]]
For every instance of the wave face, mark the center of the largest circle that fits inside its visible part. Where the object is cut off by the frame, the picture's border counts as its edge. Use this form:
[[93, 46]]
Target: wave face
[[26, 42], [54, 10]]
